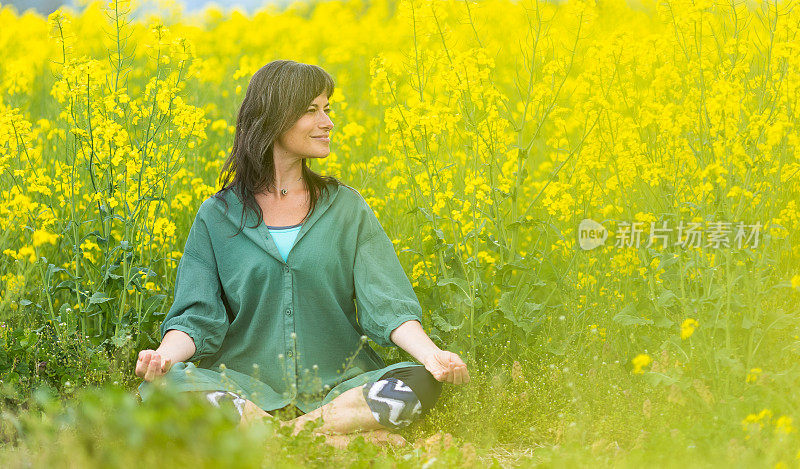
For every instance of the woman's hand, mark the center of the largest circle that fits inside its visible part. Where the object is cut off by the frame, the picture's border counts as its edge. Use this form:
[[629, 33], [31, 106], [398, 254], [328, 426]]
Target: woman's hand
[[447, 367], [151, 365]]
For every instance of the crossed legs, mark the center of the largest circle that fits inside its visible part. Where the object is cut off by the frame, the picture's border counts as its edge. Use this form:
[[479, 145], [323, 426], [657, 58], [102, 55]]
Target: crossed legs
[[398, 398], [344, 418]]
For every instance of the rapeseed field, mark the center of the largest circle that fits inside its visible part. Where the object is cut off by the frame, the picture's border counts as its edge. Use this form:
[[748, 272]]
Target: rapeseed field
[[596, 202]]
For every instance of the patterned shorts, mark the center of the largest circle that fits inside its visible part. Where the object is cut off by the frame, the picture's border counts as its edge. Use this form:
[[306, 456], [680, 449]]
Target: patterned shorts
[[402, 396], [216, 397]]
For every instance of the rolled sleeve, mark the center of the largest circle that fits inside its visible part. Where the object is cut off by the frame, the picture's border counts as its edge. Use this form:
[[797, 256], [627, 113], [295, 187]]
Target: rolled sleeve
[[198, 309], [384, 296]]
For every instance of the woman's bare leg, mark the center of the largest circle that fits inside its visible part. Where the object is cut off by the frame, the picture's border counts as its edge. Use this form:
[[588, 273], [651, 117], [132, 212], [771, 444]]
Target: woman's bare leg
[[347, 413], [252, 413], [344, 418]]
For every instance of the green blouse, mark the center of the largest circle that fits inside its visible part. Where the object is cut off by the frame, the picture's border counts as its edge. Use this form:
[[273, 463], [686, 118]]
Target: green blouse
[[287, 332]]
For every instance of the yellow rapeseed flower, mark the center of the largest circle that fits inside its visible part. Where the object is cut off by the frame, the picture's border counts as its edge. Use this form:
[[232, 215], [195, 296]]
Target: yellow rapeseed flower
[[757, 421], [27, 251], [41, 237], [752, 375], [687, 328], [784, 425], [641, 361]]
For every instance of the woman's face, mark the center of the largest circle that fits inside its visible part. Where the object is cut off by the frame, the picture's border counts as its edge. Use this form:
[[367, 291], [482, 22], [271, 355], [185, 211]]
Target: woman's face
[[310, 135]]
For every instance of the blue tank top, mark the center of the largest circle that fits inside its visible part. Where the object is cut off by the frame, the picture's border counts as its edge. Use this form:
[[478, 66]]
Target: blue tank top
[[284, 237]]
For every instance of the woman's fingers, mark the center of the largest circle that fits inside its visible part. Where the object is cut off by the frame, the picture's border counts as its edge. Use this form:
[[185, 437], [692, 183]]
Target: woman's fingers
[[447, 374], [143, 363], [138, 370], [148, 373], [459, 369], [451, 369], [457, 377], [153, 367]]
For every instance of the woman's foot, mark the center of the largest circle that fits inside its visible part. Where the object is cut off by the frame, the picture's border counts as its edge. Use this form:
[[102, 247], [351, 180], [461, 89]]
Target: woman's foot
[[380, 437]]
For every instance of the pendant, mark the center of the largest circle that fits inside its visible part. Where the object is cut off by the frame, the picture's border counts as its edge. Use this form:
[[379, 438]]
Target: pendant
[[283, 191]]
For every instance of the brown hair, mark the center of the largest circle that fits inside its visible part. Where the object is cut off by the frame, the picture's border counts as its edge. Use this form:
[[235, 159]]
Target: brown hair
[[277, 96]]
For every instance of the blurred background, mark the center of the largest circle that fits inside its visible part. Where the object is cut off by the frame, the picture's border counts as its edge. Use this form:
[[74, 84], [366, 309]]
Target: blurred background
[[45, 7]]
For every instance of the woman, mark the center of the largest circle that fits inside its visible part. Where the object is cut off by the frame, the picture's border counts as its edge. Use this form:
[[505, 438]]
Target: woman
[[284, 275]]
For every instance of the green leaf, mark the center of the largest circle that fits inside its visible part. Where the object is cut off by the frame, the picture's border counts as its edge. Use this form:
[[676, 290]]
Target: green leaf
[[514, 266], [110, 273], [522, 315], [664, 322], [425, 212], [746, 322], [445, 326], [484, 318], [628, 317], [152, 302], [121, 337], [459, 282], [99, 297], [65, 285], [727, 358], [531, 307], [506, 304], [628, 320], [667, 298], [659, 378], [557, 348], [97, 235], [51, 269]]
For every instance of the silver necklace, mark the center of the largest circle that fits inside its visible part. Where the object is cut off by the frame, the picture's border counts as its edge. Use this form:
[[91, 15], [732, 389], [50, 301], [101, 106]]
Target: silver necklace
[[284, 191]]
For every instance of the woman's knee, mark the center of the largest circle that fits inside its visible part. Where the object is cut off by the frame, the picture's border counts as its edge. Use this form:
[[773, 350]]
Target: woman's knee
[[392, 402], [402, 396]]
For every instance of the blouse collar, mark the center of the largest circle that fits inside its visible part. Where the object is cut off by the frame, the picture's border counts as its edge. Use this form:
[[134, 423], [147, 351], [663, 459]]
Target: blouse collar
[[261, 235]]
